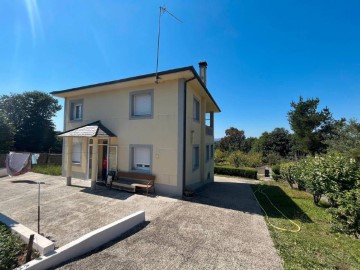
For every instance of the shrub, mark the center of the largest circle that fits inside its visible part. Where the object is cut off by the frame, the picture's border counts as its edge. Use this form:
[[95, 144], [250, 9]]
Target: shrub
[[219, 156], [10, 247], [276, 169], [243, 172], [241, 159], [276, 177], [346, 217], [287, 172]]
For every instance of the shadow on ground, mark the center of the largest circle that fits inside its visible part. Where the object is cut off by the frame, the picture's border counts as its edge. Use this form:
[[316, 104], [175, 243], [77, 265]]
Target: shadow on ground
[[24, 182], [107, 192], [282, 201]]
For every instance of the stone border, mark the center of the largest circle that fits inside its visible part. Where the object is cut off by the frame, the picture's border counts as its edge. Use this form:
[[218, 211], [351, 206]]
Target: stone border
[[41, 244], [86, 243]]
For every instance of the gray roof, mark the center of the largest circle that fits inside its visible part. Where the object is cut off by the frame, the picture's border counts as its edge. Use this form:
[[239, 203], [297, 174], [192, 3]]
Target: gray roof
[[95, 129]]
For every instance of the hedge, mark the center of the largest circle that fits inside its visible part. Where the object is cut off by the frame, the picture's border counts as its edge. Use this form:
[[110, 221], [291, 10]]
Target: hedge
[[243, 172]]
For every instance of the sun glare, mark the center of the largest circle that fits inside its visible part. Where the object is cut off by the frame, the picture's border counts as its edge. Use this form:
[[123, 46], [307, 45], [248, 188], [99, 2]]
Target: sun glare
[[34, 18]]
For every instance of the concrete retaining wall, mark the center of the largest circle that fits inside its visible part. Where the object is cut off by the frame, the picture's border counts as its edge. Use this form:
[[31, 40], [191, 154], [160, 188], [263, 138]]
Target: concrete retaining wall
[[86, 243], [41, 244]]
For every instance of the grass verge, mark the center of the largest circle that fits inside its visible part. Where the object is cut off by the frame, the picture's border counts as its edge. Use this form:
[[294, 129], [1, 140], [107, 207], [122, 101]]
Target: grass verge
[[47, 169], [315, 246]]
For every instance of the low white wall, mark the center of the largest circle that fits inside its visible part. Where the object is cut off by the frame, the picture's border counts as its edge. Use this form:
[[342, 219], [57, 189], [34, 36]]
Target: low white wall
[[86, 243], [41, 244]]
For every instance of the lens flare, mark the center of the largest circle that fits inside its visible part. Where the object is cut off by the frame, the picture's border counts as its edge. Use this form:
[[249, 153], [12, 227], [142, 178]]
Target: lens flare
[[34, 18]]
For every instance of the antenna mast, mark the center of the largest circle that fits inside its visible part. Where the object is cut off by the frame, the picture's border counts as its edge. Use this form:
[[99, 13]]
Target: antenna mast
[[162, 11]]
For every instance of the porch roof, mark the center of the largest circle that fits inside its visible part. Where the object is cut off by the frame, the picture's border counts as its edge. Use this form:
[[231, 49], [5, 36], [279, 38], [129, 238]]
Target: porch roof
[[95, 129]]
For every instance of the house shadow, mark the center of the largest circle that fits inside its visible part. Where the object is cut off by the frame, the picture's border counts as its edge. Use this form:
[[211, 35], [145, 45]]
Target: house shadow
[[240, 197], [107, 192]]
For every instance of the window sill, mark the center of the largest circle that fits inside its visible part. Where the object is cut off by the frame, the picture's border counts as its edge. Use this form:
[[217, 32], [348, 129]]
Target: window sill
[[135, 117], [76, 163]]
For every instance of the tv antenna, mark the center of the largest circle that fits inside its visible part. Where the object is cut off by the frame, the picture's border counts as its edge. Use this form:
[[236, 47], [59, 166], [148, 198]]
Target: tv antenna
[[163, 9]]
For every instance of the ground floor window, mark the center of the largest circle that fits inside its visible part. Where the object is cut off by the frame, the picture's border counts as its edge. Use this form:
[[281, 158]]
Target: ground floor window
[[195, 157], [141, 157], [207, 153], [76, 151]]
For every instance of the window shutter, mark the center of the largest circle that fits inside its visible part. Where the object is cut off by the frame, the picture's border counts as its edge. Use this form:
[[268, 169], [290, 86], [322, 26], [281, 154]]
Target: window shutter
[[76, 154], [142, 158], [142, 104]]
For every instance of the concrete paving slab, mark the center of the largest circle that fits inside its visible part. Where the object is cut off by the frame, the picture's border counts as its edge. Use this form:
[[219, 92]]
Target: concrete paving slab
[[221, 227]]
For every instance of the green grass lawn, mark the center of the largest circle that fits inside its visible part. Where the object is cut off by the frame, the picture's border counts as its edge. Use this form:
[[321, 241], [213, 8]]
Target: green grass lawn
[[47, 169], [315, 246]]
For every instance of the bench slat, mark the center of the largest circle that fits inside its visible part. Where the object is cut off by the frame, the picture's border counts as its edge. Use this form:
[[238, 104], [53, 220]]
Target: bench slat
[[125, 177]]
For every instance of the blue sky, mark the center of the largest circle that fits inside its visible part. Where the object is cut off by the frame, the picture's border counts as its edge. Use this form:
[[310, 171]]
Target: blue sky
[[261, 54]]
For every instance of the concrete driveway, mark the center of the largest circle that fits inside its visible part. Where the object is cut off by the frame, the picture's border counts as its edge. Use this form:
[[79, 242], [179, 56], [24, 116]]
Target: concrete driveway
[[220, 228]]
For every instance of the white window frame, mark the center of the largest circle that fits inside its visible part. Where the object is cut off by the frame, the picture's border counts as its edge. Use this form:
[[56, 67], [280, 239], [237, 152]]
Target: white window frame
[[73, 105], [132, 108], [195, 157], [76, 151], [145, 168], [196, 109]]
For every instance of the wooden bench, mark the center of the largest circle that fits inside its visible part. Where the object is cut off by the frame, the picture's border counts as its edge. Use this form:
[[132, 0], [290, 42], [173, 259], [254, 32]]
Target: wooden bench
[[130, 181]]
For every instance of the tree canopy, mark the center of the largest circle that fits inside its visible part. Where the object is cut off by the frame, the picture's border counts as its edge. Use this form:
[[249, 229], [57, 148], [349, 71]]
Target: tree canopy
[[31, 113], [311, 127], [6, 135], [233, 140]]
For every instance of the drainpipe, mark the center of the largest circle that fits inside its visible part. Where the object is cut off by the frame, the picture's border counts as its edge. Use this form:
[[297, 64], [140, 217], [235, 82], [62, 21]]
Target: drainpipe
[[184, 133]]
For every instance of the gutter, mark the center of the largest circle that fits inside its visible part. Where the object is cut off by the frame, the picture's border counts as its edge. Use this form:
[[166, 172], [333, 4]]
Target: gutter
[[184, 133]]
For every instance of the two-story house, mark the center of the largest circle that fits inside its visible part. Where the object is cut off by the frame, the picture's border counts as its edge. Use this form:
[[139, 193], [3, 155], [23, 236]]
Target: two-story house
[[163, 126]]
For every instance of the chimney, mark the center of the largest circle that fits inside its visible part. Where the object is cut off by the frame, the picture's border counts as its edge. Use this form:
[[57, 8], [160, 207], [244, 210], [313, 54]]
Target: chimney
[[202, 68]]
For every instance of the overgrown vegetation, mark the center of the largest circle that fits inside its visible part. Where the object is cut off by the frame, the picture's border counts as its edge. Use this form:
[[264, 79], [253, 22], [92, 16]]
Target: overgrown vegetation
[[316, 246], [335, 177], [242, 172], [47, 169], [10, 248]]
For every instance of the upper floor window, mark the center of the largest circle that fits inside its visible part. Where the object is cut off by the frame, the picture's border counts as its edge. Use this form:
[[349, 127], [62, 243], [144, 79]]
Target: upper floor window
[[76, 110], [141, 104], [76, 152], [196, 110]]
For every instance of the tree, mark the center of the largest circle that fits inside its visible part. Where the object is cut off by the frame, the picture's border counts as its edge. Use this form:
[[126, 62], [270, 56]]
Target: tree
[[311, 127], [31, 115], [232, 141], [6, 135], [247, 144], [277, 141], [346, 139]]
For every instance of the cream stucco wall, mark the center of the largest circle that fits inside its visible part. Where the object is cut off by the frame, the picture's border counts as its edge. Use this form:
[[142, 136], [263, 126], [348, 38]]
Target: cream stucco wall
[[112, 108], [164, 131], [196, 135]]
